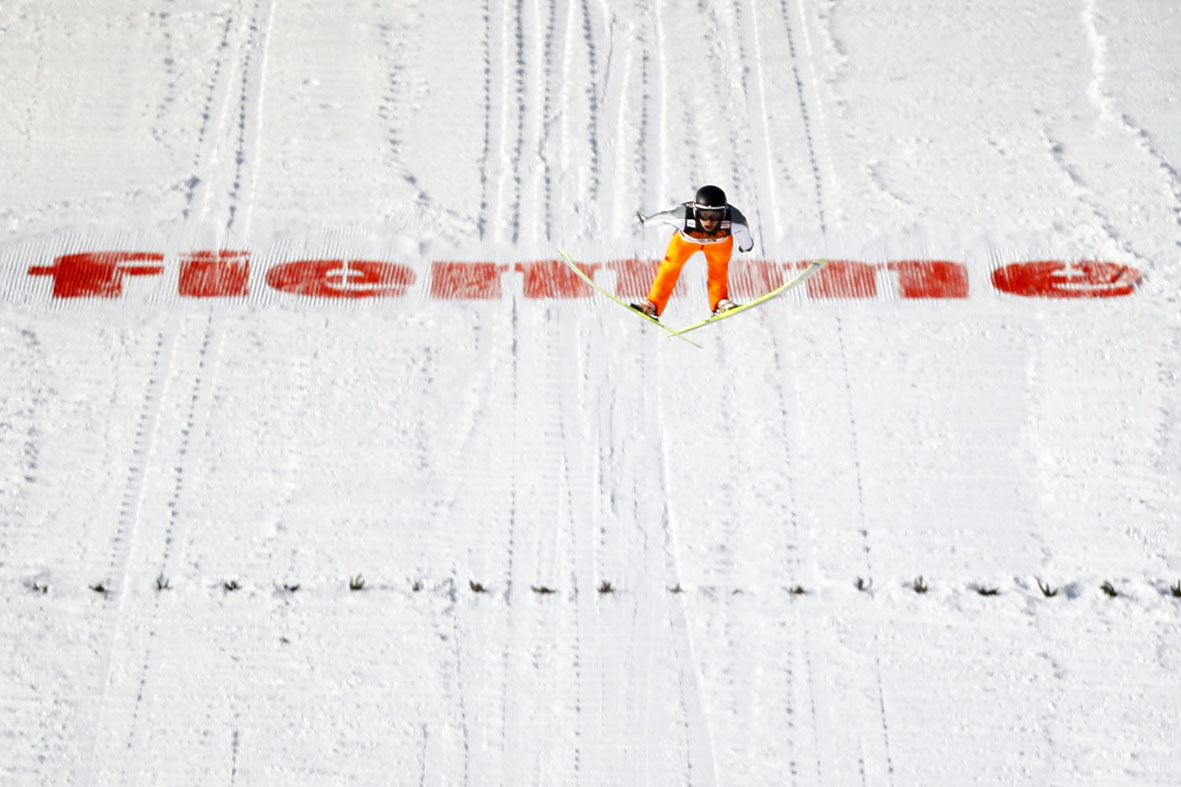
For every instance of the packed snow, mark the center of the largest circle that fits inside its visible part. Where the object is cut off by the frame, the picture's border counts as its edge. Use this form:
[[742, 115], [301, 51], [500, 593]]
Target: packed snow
[[317, 468]]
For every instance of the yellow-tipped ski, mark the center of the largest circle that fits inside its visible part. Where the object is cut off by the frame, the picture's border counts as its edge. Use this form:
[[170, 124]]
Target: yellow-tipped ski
[[582, 275], [795, 281]]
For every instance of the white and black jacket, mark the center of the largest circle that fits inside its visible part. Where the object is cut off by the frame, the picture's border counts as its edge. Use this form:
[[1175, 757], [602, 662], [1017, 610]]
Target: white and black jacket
[[682, 217]]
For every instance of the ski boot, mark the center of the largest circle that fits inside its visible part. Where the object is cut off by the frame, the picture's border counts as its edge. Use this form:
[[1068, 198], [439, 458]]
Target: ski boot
[[724, 305], [647, 308]]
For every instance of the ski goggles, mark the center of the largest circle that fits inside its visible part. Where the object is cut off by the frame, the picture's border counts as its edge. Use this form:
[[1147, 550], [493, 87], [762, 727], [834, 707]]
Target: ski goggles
[[709, 214]]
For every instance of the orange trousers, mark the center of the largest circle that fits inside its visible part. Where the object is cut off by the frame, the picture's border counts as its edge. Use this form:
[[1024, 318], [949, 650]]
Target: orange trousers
[[717, 259]]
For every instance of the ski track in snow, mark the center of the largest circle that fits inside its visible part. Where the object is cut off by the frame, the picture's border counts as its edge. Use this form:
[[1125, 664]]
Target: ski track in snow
[[793, 547], [205, 192], [507, 102], [192, 429], [197, 196], [227, 152], [400, 101], [482, 223], [551, 90], [1168, 171], [648, 108], [755, 99], [593, 103], [810, 134], [140, 464], [1086, 195], [515, 64], [234, 748], [863, 528], [702, 768], [1111, 120], [249, 115], [566, 557]]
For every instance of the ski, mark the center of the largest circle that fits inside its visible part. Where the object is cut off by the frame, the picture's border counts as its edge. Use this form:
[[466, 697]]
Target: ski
[[582, 275], [795, 281]]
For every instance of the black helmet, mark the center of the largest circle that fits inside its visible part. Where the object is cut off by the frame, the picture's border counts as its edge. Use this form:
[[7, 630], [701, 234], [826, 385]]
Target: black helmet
[[709, 205], [709, 197]]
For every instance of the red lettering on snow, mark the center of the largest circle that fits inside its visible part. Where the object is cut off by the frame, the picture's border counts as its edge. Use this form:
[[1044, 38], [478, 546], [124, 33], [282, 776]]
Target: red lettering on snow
[[466, 281], [930, 278], [843, 279], [753, 278], [1058, 279], [214, 274], [98, 274], [554, 279], [341, 279], [633, 278]]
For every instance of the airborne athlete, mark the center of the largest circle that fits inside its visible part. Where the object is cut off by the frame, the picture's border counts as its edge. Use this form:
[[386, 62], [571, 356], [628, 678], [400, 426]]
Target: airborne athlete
[[710, 225]]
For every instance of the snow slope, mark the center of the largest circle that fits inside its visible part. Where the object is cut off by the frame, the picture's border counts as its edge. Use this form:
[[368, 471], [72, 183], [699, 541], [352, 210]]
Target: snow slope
[[520, 437]]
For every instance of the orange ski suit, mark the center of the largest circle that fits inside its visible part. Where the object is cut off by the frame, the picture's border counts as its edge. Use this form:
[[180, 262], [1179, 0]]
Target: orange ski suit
[[680, 249]]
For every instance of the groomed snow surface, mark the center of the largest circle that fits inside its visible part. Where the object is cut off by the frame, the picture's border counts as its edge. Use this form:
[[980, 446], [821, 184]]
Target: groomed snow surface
[[278, 311]]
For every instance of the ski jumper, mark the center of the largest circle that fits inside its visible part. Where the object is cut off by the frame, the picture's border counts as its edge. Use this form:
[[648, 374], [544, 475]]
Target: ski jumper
[[691, 238]]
